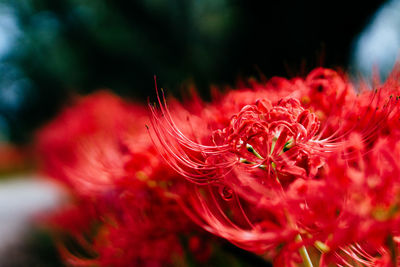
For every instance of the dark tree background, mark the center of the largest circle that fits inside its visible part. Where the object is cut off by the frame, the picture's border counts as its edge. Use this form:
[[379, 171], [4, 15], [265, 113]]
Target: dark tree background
[[50, 50]]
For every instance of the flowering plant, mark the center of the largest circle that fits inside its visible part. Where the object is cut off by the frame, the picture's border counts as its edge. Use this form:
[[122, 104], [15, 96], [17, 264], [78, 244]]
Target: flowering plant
[[121, 211], [301, 172]]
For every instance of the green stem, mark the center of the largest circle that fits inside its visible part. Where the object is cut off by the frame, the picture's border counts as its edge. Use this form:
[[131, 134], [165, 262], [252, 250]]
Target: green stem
[[304, 254]]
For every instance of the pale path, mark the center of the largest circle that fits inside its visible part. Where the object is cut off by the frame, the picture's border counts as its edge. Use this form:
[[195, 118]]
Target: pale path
[[21, 198]]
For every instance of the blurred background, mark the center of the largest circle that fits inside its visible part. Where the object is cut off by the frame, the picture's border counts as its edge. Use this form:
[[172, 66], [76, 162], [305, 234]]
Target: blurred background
[[51, 50]]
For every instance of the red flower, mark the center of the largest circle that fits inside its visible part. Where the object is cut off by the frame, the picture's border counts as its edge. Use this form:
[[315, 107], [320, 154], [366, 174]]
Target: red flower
[[88, 145], [267, 174], [124, 211]]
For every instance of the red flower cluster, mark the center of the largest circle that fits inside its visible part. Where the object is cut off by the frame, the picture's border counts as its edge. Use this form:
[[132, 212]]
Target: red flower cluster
[[301, 170], [123, 210]]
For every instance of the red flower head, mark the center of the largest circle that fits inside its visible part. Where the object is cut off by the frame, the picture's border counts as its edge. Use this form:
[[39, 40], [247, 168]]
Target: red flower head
[[262, 173], [123, 210], [88, 145]]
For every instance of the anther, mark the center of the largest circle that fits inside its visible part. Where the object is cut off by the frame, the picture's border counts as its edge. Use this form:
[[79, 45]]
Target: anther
[[252, 150]]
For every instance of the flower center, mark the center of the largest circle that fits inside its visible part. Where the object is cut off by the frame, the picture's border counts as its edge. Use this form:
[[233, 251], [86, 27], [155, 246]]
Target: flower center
[[276, 138]]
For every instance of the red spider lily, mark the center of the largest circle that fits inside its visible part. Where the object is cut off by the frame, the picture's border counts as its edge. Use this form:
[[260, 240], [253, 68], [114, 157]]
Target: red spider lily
[[368, 217], [124, 211], [267, 174], [139, 226], [264, 125], [301, 170], [88, 145]]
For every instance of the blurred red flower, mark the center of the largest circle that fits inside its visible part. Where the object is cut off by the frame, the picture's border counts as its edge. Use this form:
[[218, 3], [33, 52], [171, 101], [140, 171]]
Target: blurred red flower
[[123, 210]]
